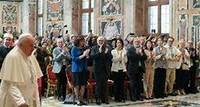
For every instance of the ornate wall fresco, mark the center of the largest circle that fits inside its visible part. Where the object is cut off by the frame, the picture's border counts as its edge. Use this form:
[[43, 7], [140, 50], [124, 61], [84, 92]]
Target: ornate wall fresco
[[187, 25], [111, 28], [196, 4], [9, 14], [183, 27], [32, 17], [55, 10], [196, 28], [75, 17], [110, 18], [111, 7]]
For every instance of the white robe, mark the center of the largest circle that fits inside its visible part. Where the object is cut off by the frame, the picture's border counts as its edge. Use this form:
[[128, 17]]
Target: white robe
[[19, 76]]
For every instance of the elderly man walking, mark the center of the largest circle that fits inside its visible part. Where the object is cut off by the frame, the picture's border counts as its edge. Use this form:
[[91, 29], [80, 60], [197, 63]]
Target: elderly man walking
[[19, 74]]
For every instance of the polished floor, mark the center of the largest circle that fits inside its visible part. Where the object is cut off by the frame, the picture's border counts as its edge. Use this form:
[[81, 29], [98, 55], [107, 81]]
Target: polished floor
[[191, 100]]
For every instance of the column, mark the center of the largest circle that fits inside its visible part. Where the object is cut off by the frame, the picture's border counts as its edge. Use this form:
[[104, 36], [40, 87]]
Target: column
[[171, 14], [40, 18], [68, 14], [129, 16], [25, 16]]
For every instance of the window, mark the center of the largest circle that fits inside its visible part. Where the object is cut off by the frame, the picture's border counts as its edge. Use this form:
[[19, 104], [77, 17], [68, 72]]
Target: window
[[85, 21], [158, 16], [87, 16], [85, 4], [40, 17], [165, 19], [153, 18]]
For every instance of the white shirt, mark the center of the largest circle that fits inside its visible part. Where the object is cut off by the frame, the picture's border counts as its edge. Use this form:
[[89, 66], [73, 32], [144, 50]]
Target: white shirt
[[119, 60], [172, 52]]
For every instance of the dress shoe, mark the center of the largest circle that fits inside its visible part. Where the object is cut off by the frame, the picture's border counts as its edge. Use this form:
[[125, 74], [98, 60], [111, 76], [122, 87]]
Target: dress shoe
[[98, 101], [79, 103], [105, 102], [83, 103], [123, 101]]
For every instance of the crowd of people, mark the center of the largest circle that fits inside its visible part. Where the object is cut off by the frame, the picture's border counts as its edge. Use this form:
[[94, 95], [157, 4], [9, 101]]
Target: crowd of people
[[153, 66]]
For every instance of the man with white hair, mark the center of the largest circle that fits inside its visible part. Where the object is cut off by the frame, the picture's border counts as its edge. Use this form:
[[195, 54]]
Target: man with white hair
[[6, 47], [101, 57], [19, 74]]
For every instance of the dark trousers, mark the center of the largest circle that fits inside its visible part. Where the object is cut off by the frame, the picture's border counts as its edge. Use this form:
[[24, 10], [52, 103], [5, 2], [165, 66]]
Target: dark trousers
[[118, 78], [61, 83], [136, 85], [192, 79], [101, 89], [182, 79], [44, 84], [159, 82]]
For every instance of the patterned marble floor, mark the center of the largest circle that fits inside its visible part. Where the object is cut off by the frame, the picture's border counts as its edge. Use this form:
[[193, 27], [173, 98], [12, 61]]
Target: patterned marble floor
[[192, 100]]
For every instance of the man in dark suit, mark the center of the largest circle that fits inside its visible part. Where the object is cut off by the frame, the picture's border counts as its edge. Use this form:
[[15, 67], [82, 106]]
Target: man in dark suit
[[101, 56], [5, 47], [136, 69], [194, 65]]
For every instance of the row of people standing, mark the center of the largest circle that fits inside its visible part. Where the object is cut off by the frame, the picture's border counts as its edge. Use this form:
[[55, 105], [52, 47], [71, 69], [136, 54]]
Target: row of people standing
[[152, 70]]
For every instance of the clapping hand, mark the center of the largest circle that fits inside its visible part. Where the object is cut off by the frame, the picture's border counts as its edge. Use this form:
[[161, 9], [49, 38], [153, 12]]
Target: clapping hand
[[100, 48], [141, 51], [65, 49], [106, 50], [86, 52]]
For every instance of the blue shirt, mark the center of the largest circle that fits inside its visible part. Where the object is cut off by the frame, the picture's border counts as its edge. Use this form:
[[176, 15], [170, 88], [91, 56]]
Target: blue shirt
[[78, 65]]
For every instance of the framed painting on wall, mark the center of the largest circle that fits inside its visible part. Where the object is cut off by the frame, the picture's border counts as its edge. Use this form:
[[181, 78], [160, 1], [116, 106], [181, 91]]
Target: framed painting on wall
[[9, 14], [183, 27], [111, 7], [195, 28], [196, 3], [55, 10], [110, 28]]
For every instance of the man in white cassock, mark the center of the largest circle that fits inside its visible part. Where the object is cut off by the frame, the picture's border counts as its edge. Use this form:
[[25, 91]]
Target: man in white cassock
[[19, 75]]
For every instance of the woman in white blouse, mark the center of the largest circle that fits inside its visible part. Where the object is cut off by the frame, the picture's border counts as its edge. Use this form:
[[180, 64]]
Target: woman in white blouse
[[118, 68]]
